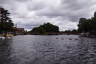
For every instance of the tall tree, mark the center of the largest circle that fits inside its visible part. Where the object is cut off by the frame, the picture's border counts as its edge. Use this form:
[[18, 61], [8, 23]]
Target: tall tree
[[87, 25], [82, 25], [5, 21]]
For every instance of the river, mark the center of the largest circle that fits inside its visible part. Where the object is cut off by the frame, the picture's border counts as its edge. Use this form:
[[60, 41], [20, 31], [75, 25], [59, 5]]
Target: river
[[48, 49]]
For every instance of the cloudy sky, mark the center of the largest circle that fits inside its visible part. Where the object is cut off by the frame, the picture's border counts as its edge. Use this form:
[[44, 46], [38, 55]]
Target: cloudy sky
[[63, 13]]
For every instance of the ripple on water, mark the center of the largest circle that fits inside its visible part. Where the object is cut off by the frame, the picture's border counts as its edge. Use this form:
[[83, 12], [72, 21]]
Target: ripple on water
[[52, 49]]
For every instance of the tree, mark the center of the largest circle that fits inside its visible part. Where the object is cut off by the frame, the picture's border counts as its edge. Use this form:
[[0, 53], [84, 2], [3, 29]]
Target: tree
[[81, 24], [87, 25], [6, 24], [45, 28]]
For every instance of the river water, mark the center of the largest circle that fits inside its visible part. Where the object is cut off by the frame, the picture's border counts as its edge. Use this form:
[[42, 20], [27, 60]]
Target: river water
[[48, 49]]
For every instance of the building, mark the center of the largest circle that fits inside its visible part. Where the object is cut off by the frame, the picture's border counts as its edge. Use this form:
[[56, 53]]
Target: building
[[19, 31]]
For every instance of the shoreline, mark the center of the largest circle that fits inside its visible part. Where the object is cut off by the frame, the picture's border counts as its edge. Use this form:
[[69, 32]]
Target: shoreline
[[8, 35]]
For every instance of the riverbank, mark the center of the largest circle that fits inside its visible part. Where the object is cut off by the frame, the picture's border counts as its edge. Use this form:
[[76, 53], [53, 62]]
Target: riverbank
[[90, 35], [7, 35], [55, 33]]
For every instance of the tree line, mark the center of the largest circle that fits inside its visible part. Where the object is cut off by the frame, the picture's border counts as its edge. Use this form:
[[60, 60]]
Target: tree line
[[87, 25]]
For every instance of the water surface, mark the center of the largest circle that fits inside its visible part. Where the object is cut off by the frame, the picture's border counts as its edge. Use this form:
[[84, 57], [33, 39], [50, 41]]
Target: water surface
[[48, 49]]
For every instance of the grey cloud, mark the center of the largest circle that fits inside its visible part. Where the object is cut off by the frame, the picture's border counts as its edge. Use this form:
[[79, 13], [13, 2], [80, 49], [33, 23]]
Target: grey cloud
[[35, 6], [74, 5], [70, 9], [22, 0], [78, 4], [2, 1]]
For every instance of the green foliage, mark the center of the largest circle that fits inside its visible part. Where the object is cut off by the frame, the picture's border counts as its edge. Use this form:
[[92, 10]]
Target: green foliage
[[5, 21], [45, 28], [87, 25], [71, 31]]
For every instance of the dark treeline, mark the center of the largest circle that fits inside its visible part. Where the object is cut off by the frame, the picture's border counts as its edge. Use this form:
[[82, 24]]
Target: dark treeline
[[87, 25], [71, 31], [6, 24], [45, 29]]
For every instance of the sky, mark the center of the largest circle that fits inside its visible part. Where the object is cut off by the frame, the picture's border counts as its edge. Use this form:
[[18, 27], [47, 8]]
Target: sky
[[63, 13]]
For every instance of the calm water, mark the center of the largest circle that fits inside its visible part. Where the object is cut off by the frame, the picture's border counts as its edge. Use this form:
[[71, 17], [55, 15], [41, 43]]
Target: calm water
[[59, 49]]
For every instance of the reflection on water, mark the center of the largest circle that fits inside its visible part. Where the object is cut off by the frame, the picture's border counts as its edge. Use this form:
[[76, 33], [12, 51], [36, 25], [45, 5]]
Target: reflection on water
[[4, 51], [59, 49]]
